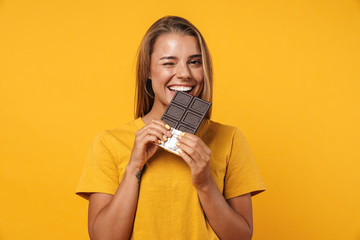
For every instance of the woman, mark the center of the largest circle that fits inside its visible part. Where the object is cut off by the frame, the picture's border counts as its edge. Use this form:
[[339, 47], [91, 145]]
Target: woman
[[140, 191]]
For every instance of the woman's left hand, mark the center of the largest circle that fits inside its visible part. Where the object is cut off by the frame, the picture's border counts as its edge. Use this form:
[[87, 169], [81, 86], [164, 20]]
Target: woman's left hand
[[197, 155]]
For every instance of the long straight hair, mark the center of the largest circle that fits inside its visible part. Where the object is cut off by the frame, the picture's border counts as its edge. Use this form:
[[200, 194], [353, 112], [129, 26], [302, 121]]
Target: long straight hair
[[144, 95]]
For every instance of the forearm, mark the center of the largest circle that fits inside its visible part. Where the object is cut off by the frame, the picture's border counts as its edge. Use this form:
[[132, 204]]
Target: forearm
[[225, 221], [116, 219]]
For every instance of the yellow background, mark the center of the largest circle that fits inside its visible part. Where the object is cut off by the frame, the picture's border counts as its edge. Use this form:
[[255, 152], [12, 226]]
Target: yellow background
[[286, 73]]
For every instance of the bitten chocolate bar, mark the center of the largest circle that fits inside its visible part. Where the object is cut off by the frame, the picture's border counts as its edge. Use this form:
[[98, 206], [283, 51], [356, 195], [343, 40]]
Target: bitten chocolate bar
[[184, 114]]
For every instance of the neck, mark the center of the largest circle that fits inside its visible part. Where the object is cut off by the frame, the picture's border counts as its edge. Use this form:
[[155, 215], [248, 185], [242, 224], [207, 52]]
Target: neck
[[156, 113]]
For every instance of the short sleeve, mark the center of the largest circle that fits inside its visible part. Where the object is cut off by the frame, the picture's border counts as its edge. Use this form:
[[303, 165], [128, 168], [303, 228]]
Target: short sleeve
[[242, 174], [100, 172]]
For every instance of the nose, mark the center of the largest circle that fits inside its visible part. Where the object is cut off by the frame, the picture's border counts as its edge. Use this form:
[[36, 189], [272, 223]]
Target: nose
[[183, 71]]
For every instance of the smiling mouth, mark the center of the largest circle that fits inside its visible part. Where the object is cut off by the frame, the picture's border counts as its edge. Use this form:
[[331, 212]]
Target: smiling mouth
[[180, 88]]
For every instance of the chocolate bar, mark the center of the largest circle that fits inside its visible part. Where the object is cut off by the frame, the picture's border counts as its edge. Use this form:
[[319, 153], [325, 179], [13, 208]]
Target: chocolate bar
[[184, 114]]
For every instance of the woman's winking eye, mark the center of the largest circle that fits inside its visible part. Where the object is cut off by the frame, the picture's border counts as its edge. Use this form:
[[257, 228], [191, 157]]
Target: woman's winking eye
[[168, 64]]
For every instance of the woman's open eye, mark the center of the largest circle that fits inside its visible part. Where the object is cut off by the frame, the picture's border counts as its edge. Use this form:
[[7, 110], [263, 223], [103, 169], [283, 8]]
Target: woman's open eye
[[195, 62]]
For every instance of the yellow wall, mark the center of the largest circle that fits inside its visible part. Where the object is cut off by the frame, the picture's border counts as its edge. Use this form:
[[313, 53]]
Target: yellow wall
[[286, 73]]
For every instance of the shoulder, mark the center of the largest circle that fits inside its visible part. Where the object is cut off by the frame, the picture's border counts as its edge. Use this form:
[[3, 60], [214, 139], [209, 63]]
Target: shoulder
[[122, 134], [221, 137], [126, 128], [223, 130], [228, 138]]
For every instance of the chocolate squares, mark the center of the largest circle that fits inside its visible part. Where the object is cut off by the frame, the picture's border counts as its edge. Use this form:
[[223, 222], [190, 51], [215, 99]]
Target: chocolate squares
[[185, 112]]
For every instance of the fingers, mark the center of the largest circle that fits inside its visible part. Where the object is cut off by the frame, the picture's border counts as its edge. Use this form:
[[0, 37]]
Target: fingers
[[156, 128], [143, 147], [185, 156], [151, 138], [193, 147], [189, 154]]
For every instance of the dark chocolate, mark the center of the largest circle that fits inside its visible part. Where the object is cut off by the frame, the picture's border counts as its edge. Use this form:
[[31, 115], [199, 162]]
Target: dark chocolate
[[185, 112]]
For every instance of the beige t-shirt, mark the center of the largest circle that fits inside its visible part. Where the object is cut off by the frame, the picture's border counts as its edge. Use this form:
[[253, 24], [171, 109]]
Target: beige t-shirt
[[168, 205]]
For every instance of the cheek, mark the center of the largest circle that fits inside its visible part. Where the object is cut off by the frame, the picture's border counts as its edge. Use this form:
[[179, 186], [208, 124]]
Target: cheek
[[199, 75], [161, 74]]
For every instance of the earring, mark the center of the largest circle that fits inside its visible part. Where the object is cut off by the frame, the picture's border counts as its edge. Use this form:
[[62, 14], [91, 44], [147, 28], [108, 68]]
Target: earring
[[148, 85]]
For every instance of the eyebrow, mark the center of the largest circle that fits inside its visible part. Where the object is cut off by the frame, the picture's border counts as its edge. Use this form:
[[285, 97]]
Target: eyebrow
[[172, 57], [167, 57], [195, 56]]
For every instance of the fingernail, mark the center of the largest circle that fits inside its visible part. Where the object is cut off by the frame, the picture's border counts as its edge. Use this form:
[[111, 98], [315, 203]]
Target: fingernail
[[178, 138], [177, 144], [159, 141], [167, 126], [182, 134], [165, 138], [180, 151]]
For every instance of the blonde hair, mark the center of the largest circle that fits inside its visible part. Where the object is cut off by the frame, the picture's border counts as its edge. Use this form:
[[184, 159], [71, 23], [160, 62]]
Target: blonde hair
[[144, 96]]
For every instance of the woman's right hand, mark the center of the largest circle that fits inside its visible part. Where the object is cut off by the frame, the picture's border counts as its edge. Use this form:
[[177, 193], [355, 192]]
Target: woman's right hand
[[146, 141]]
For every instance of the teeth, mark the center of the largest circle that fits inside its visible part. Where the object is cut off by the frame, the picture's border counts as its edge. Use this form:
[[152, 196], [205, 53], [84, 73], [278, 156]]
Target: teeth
[[180, 88]]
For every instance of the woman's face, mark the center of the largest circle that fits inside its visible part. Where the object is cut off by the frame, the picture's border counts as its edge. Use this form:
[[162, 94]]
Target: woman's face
[[176, 65]]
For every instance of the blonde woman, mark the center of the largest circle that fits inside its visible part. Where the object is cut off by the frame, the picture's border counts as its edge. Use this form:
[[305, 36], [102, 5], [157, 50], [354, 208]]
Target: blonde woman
[[137, 190]]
